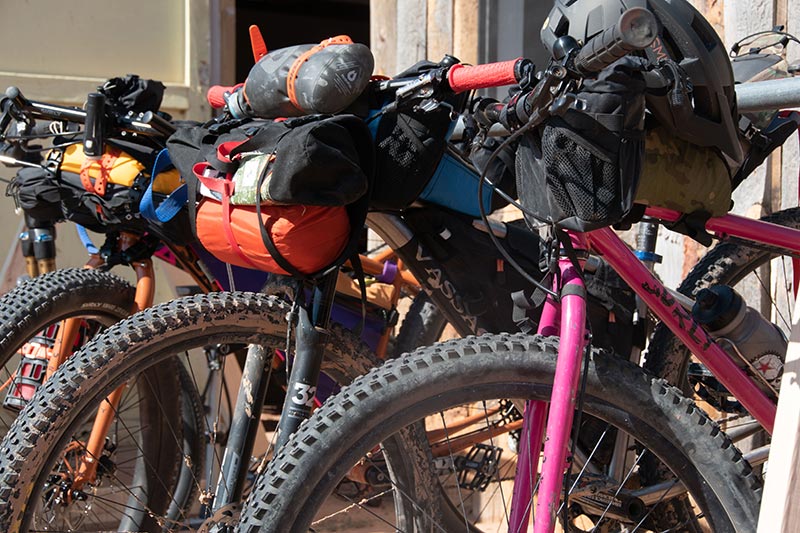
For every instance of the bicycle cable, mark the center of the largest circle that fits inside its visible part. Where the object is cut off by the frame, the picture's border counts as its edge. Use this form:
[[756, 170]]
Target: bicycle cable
[[485, 217]]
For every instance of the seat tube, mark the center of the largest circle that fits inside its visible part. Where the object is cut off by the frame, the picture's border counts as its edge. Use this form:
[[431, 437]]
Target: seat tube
[[565, 385]]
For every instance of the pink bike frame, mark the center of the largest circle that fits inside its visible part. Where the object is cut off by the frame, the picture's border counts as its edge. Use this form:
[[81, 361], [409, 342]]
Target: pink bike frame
[[567, 319]]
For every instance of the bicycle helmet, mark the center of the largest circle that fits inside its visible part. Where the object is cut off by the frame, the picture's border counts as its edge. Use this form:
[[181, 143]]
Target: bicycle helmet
[[709, 117]]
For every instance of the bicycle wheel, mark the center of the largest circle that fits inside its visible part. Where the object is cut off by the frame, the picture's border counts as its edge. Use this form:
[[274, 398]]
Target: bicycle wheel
[[764, 277], [356, 430], [423, 325], [35, 308], [33, 449], [31, 314]]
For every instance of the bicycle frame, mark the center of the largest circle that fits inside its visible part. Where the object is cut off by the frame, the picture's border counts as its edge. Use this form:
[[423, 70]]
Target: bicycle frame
[[566, 318]]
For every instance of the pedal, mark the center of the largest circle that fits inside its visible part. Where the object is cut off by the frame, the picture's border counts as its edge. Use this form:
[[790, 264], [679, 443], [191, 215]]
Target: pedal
[[478, 467]]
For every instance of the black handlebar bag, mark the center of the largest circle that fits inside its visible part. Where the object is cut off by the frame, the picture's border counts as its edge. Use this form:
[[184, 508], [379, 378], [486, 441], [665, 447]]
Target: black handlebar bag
[[581, 170], [409, 144], [308, 170]]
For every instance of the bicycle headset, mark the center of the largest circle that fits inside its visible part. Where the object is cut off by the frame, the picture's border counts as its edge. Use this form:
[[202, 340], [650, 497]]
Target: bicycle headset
[[708, 117]]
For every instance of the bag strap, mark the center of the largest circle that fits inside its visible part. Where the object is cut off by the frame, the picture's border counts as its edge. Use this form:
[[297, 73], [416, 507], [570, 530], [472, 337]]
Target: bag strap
[[225, 188], [222, 186], [266, 237], [104, 164], [358, 268], [172, 204], [294, 70]]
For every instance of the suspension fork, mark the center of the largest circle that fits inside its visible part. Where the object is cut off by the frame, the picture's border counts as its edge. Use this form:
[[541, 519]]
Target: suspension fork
[[311, 338], [566, 318], [143, 298]]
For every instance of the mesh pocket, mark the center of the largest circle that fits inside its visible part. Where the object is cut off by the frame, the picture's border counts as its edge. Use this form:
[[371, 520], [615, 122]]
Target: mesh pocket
[[583, 181], [564, 178]]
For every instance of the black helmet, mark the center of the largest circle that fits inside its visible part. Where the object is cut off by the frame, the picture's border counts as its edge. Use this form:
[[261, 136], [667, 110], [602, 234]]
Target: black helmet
[[710, 118]]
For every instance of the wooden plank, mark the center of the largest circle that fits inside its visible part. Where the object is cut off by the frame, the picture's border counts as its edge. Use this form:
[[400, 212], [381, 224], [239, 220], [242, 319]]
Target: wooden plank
[[412, 32], [466, 30], [780, 17], [779, 509], [383, 35], [440, 29]]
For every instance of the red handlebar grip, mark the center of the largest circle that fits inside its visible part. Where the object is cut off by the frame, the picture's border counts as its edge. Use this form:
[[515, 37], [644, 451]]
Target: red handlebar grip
[[216, 95], [463, 78]]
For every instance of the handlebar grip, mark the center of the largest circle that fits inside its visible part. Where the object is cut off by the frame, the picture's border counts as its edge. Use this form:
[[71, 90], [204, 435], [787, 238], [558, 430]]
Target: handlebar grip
[[94, 127], [19, 101], [462, 78], [216, 95], [635, 30]]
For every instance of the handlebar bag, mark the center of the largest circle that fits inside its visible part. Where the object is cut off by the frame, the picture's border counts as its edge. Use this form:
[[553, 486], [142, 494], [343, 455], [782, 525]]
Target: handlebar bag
[[105, 195], [581, 170], [101, 195], [286, 197]]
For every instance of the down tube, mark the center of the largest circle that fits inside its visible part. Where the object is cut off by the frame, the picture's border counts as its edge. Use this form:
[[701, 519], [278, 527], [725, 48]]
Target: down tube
[[681, 323]]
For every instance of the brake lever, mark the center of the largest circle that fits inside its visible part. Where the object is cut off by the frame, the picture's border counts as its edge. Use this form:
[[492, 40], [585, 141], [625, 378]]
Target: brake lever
[[564, 103]]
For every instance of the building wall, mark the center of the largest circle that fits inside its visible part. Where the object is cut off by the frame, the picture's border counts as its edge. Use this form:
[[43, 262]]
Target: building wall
[[58, 52], [403, 31]]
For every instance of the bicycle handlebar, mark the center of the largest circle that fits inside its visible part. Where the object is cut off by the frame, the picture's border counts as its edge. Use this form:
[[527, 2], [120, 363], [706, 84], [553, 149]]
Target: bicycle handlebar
[[635, 30], [144, 123], [467, 78]]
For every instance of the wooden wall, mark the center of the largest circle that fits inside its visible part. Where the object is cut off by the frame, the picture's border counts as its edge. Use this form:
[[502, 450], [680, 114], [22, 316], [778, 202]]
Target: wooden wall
[[403, 32]]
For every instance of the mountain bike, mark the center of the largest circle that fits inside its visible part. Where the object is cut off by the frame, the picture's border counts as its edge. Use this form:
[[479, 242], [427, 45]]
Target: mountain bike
[[615, 450], [441, 249], [49, 317]]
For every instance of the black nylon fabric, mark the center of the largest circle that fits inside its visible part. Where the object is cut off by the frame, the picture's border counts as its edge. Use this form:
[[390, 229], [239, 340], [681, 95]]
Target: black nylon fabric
[[132, 93], [581, 170], [501, 171], [409, 145], [319, 160], [469, 258], [54, 197], [36, 192]]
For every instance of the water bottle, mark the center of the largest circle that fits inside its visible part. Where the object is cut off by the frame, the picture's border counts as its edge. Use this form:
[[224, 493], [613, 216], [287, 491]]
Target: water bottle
[[755, 343]]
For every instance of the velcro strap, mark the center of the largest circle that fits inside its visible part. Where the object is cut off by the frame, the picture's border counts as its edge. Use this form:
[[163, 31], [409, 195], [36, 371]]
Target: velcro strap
[[223, 186], [295, 68], [226, 227], [105, 163]]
